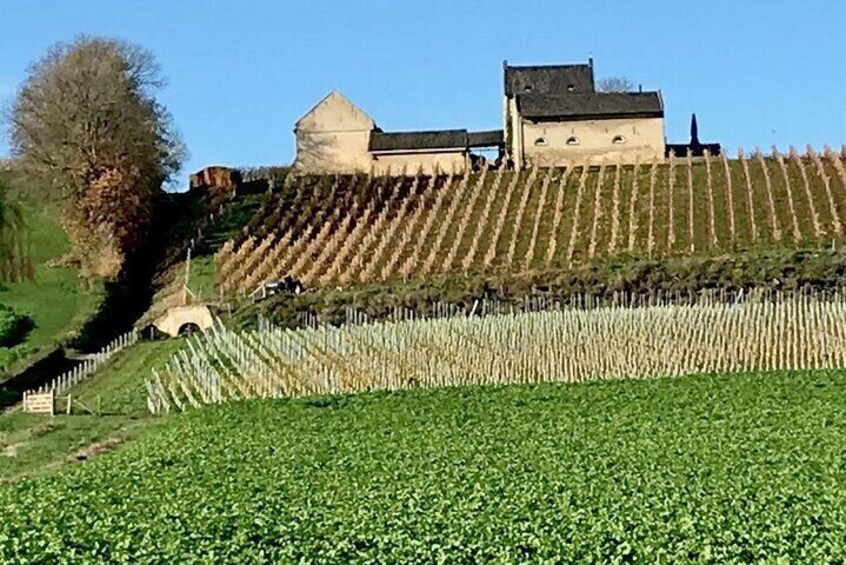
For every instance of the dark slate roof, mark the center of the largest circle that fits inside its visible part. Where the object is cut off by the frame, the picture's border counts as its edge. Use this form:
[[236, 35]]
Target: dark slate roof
[[586, 106], [417, 140], [485, 138], [548, 79]]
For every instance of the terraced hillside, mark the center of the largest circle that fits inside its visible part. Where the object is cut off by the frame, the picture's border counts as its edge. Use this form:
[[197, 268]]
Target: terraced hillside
[[335, 231]]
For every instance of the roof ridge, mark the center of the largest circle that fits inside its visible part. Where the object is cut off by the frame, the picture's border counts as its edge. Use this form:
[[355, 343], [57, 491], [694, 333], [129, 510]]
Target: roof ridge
[[584, 94], [550, 66], [451, 130]]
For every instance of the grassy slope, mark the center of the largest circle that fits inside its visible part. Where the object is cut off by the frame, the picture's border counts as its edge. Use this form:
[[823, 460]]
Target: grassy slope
[[32, 443], [203, 279], [722, 468], [56, 299]]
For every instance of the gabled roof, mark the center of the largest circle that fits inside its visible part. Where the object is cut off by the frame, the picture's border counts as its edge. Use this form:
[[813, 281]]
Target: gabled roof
[[592, 105], [548, 79], [418, 140], [336, 98]]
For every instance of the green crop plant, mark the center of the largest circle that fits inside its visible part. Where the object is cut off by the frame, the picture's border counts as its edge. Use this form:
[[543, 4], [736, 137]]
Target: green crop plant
[[705, 468]]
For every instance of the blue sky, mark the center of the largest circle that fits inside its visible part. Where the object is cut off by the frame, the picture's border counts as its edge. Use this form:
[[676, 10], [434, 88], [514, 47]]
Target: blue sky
[[757, 73]]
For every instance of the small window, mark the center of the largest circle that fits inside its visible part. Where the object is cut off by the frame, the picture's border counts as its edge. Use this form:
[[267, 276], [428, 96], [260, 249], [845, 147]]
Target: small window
[[619, 140], [527, 88], [572, 140], [541, 141], [571, 87]]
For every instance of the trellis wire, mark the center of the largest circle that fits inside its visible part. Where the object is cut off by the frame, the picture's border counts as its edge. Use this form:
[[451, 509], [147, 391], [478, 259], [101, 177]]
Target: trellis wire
[[584, 340]]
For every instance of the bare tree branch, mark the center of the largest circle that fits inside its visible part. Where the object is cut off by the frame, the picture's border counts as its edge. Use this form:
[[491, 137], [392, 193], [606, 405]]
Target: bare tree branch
[[615, 84]]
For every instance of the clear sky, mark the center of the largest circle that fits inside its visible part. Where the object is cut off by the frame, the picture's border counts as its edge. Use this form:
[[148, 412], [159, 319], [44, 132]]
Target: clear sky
[[757, 73]]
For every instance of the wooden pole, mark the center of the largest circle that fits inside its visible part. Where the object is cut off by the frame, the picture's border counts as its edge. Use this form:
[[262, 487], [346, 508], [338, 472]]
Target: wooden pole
[[187, 277]]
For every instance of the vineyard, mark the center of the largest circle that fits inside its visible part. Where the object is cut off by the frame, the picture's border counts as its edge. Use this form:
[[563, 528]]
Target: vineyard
[[331, 231], [777, 332]]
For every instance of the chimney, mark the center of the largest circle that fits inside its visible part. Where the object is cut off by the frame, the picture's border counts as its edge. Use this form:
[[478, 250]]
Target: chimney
[[640, 88], [590, 62]]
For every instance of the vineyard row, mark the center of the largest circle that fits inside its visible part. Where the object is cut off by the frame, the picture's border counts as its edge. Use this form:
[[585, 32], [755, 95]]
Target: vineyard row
[[345, 230], [806, 331]]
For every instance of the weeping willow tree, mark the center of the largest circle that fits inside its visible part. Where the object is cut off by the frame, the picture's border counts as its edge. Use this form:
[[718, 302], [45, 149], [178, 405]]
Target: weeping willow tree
[[15, 263]]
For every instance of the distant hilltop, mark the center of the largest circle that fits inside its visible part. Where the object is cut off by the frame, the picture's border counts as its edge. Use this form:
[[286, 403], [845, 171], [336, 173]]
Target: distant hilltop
[[553, 115]]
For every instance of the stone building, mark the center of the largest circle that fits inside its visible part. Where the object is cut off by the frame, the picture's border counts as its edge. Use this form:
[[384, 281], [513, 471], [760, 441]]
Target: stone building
[[336, 136], [553, 115], [333, 137]]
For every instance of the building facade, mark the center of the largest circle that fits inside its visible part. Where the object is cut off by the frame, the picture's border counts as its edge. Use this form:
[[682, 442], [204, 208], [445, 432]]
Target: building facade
[[554, 115], [336, 136], [333, 137]]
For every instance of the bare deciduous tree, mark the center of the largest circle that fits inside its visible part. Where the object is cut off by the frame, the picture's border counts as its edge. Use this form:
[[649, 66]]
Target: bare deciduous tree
[[615, 84], [86, 125]]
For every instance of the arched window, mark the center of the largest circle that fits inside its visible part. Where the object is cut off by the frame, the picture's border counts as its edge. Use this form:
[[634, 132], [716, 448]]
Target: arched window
[[541, 142], [572, 140], [527, 88], [571, 87], [619, 140]]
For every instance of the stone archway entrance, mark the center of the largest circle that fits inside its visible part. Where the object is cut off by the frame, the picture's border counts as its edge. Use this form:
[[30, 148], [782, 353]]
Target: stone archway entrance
[[181, 320]]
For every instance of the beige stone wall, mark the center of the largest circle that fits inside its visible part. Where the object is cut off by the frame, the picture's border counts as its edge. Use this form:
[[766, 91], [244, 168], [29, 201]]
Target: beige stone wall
[[644, 140], [332, 152], [446, 162], [333, 137], [177, 317], [516, 149]]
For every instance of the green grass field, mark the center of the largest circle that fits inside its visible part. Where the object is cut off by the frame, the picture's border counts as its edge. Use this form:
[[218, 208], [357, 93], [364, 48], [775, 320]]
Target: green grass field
[[702, 468], [32, 444], [56, 300]]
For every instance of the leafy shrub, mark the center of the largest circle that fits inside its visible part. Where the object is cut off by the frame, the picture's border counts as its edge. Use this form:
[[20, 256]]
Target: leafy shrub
[[11, 355], [14, 326]]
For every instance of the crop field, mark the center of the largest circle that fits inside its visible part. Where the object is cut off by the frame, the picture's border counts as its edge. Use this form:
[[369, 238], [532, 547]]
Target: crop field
[[343, 230], [772, 332], [741, 468]]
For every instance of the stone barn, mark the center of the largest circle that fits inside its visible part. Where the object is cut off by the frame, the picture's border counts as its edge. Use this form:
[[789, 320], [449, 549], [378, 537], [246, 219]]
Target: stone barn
[[336, 136]]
